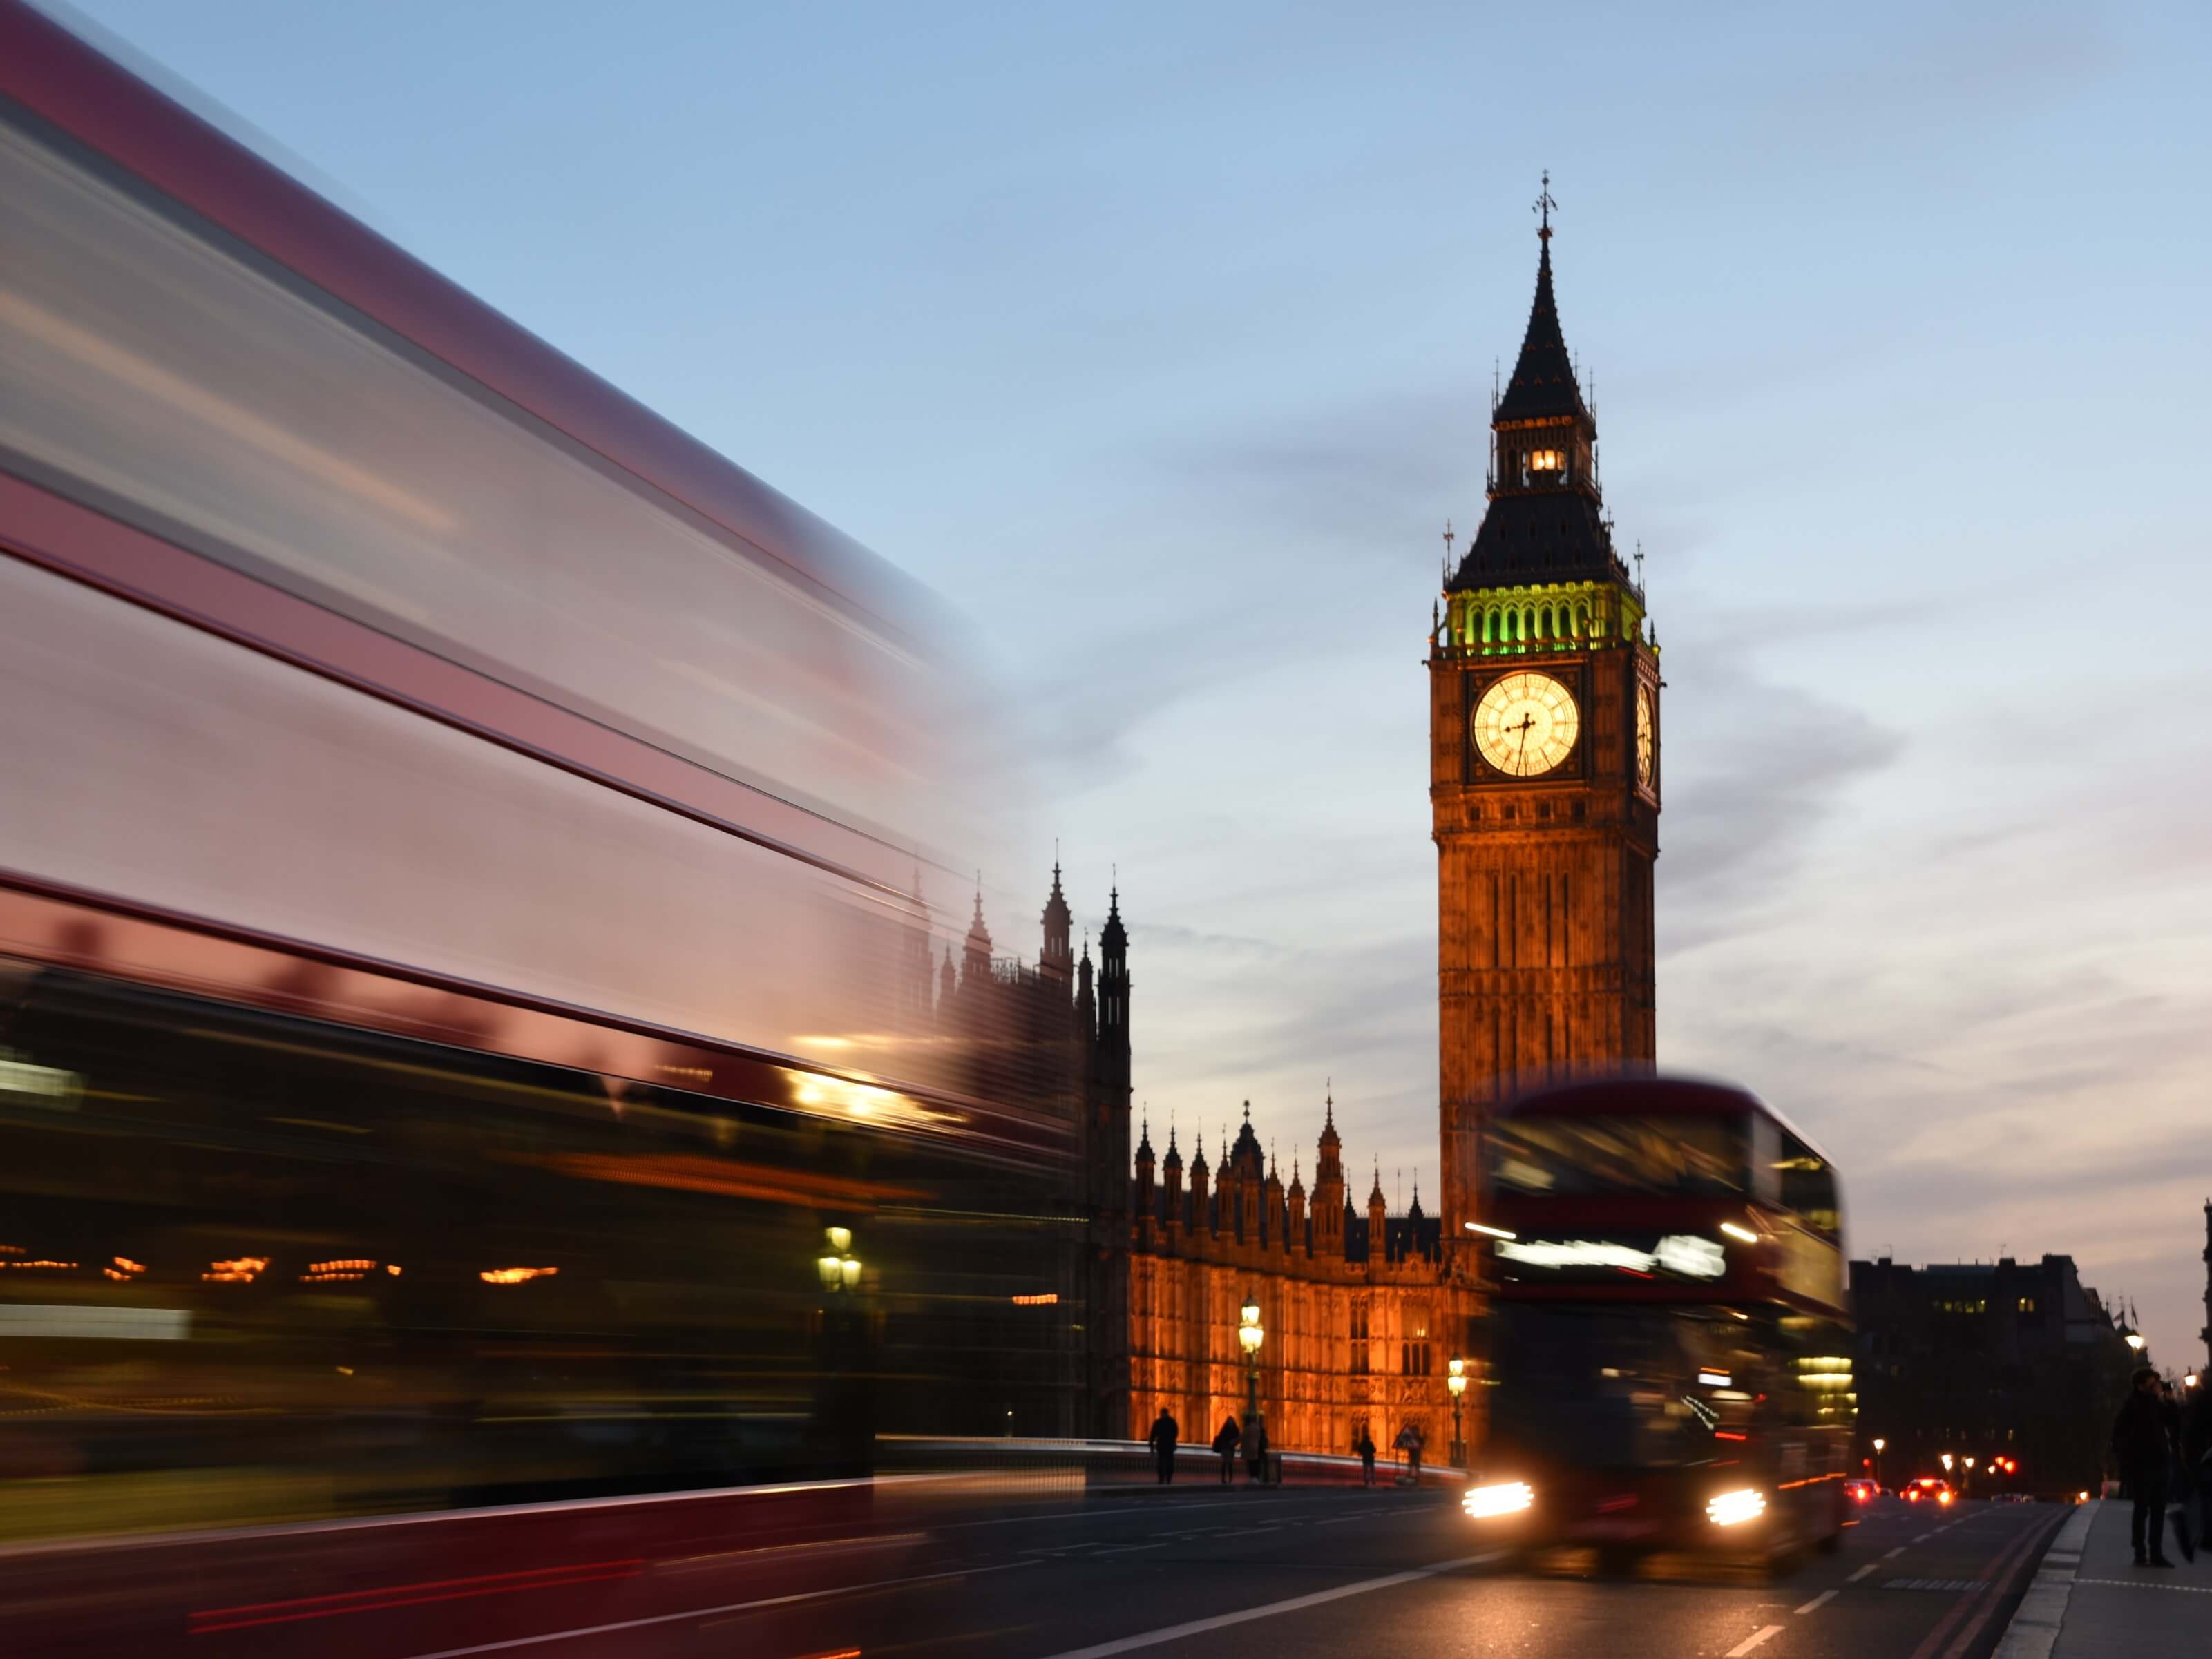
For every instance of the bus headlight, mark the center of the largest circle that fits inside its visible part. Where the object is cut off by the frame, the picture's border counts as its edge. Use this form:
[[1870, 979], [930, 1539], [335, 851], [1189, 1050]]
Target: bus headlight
[[1732, 1509], [1508, 1497]]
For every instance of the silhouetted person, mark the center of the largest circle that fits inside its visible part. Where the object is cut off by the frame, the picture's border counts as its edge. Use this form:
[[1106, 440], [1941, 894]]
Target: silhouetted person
[[1255, 1449], [1163, 1437], [2141, 1449], [1225, 1447], [1366, 1450]]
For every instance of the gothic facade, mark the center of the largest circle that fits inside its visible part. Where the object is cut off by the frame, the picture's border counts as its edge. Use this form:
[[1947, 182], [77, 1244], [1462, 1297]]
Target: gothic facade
[[1360, 1318]]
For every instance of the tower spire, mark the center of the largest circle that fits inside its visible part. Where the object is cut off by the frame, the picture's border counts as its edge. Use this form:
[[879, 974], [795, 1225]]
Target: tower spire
[[1543, 385]]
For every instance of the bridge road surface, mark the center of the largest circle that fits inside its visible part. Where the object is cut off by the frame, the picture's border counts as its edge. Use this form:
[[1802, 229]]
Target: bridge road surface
[[1259, 1575]]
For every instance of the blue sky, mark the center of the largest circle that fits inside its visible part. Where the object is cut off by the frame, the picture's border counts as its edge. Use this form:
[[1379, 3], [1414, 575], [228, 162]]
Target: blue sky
[[1159, 338]]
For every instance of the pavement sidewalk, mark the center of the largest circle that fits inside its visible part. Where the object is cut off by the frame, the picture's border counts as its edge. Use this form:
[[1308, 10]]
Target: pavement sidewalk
[[2089, 1600]]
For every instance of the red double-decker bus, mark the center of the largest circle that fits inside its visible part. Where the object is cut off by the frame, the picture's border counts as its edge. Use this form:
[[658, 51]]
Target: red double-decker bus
[[465, 985], [1670, 1334]]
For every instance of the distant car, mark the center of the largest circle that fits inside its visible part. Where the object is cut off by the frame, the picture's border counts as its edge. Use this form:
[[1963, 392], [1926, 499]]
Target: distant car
[[1928, 1489], [1863, 1492]]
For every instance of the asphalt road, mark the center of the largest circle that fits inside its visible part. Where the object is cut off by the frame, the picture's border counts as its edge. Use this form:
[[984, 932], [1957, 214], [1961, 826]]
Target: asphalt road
[[1257, 1574]]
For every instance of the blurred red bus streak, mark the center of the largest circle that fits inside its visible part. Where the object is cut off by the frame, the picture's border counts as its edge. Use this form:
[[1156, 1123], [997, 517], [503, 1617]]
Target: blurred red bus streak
[[77, 541], [39, 919], [71, 84], [211, 1620]]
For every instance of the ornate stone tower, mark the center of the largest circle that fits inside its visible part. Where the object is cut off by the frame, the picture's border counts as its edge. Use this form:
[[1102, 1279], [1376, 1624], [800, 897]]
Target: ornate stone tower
[[1544, 770]]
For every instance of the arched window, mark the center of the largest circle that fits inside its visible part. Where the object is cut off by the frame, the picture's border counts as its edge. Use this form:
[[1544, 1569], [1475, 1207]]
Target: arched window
[[1543, 623]]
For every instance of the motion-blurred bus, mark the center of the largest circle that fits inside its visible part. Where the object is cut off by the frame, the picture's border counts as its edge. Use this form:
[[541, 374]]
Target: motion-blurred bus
[[466, 955], [1670, 1342]]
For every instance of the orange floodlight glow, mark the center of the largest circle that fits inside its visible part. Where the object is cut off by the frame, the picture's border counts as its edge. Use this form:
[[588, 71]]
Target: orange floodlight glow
[[515, 1275]]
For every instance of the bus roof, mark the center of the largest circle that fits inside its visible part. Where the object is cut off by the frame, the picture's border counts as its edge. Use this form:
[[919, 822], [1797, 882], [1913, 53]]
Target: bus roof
[[1653, 1095], [69, 81]]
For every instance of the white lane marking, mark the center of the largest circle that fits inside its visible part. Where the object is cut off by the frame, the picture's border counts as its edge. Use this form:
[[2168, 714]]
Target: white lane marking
[[1894, 1553], [1124, 1549], [1821, 1600], [1221, 1620], [1860, 1574], [1751, 1641], [1924, 1538], [709, 1613]]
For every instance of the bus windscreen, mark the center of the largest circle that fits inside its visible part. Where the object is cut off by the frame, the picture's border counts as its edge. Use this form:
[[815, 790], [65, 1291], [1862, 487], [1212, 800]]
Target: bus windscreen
[[1572, 1157]]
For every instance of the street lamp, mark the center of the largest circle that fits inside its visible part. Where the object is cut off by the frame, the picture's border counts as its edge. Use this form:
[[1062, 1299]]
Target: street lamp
[[1947, 1462], [840, 1269], [1969, 1479], [1879, 1442], [2133, 1338], [1457, 1382], [1249, 1336]]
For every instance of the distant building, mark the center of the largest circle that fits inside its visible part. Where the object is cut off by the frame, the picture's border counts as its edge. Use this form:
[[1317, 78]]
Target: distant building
[[2205, 1335], [2009, 1358]]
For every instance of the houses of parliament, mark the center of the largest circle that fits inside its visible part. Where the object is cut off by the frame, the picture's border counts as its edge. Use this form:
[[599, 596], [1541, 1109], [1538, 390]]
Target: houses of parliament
[[1544, 787]]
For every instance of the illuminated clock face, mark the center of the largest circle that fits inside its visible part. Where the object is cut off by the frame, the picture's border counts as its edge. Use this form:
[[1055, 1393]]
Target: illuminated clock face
[[1525, 723], [1647, 738]]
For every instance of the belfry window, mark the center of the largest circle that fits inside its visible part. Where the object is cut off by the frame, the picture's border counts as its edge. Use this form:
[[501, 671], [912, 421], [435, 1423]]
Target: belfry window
[[1544, 466]]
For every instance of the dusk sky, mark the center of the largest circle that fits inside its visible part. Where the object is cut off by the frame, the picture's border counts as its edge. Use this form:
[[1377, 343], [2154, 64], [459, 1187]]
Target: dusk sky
[[1159, 338]]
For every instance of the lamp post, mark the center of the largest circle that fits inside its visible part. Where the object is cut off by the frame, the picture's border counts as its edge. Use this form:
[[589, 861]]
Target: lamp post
[[1249, 1336], [1457, 1382], [1879, 1442], [1966, 1483]]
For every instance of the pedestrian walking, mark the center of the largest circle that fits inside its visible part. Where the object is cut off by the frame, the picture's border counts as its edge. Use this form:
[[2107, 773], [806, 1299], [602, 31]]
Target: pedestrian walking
[[1366, 1450], [1410, 1440], [1255, 1449], [1224, 1447], [2142, 1448], [1163, 1437]]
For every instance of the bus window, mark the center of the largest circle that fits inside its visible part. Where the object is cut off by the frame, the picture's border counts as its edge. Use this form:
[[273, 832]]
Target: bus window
[[1567, 1157], [1808, 1187]]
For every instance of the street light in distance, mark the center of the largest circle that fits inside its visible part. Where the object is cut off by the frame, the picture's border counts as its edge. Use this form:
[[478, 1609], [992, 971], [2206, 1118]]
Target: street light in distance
[[1457, 1382]]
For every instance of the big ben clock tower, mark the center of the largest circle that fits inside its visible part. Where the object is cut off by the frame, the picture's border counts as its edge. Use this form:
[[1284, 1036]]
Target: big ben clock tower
[[1544, 770]]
